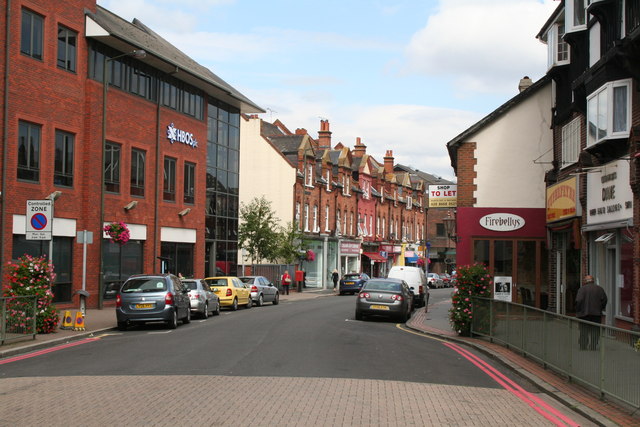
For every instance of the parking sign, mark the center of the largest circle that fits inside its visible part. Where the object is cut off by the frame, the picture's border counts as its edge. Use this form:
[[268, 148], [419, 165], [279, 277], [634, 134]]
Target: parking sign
[[39, 219]]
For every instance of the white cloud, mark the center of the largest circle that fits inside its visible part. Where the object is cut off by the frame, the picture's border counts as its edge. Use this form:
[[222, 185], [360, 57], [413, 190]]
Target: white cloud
[[485, 46]]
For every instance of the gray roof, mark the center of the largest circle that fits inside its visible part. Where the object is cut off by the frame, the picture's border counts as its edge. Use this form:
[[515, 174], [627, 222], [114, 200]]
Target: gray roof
[[429, 178], [288, 146], [161, 54]]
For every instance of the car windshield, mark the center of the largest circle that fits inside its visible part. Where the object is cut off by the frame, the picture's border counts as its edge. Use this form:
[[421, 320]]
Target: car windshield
[[218, 282], [190, 284], [351, 276], [144, 285], [248, 280], [382, 286]]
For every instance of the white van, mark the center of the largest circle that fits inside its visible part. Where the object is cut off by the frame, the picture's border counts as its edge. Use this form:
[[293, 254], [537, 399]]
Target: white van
[[417, 281]]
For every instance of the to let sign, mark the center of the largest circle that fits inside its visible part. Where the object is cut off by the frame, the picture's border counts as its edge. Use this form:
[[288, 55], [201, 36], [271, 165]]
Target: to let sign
[[39, 219], [443, 196]]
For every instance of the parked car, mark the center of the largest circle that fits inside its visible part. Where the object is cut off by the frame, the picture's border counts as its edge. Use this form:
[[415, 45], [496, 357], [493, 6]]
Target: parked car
[[434, 281], [203, 301], [352, 283], [262, 290], [385, 297], [416, 280], [231, 291], [446, 280], [152, 298]]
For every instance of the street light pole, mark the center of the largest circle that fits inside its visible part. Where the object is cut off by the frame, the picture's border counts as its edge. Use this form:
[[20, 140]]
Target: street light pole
[[136, 53]]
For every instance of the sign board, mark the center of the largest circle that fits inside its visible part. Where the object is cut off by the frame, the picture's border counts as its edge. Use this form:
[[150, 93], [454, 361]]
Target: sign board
[[502, 222], [609, 195], [562, 200], [39, 219], [349, 248], [443, 196], [502, 288]]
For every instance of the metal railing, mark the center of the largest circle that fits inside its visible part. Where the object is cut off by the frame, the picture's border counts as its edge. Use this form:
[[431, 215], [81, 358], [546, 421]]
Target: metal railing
[[600, 357], [17, 318]]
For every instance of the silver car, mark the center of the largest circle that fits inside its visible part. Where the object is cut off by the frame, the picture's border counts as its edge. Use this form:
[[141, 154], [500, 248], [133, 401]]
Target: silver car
[[152, 298], [203, 301], [434, 281], [262, 290]]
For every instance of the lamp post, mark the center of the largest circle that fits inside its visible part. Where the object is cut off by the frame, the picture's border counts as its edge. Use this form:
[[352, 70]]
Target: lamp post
[[136, 53], [450, 229]]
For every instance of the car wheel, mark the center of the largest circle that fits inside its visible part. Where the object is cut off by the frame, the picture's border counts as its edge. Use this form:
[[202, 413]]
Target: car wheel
[[122, 326], [250, 303], [205, 313], [187, 319], [403, 317], [172, 323], [359, 315], [341, 293], [234, 306], [260, 301], [216, 312], [276, 299]]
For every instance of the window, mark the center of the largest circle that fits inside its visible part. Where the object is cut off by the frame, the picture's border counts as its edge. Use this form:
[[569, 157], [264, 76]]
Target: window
[[370, 225], [595, 52], [67, 49], [29, 151], [137, 172], [169, 186], [344, 223], [378, 227], [366, 189], [328, 178], [326, 218], [576, 15], [608, 112], [63, 162], [298, 216], [189, 182], [338, 223], [440, 232], [409, 202], [384, 227], [306, 217], [112, 167], [570, 142], [350, 224], [309, 176], [32, 34], [557, 48], [316, 228]]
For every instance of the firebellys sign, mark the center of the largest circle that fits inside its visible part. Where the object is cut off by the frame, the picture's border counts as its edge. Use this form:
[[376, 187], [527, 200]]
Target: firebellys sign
[[177, 135], [502, 222]]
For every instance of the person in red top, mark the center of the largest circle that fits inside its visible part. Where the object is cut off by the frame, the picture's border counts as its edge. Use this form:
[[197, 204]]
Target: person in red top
[[286, 282]]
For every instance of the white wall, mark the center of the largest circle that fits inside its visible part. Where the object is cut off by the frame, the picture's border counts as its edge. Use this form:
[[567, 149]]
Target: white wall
[[506, 149], [264, 172]]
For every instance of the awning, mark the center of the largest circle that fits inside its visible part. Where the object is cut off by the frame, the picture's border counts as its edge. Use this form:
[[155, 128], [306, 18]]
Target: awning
[[412, 259], [375, 257]]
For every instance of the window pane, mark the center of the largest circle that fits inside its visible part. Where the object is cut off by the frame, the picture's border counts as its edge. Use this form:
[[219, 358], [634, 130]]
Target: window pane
[[620, 109], [137, 172], [189, 182], [592, 113], [63, 162], [169, 186], [526, 273], [481, 251], [112, 167], [602, 114], [503, 258]]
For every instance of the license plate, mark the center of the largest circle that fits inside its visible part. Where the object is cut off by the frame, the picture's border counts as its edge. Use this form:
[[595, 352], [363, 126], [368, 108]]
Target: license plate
[[144, 305], [379, 307], [348, 283]]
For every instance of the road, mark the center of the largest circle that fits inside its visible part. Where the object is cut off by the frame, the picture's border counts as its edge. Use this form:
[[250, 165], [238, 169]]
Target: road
[[302, 363]]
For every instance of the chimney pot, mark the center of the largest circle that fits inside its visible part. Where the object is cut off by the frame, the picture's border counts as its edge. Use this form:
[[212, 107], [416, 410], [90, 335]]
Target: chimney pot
[[525, 82]]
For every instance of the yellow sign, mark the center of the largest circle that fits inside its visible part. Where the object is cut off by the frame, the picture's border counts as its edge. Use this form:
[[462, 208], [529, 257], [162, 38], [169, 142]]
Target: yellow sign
[[562, 200]]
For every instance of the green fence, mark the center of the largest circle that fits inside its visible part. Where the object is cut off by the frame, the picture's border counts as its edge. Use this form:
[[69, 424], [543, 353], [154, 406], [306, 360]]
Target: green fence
[[600, 357], [18, 318]]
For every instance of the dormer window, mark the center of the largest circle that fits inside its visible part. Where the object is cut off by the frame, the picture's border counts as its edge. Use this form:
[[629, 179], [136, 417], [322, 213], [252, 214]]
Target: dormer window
[[309, 176], [609, 112], [557, 48], [346, 183], [409, 202], [366, 190], [575, 15], [328, 178]]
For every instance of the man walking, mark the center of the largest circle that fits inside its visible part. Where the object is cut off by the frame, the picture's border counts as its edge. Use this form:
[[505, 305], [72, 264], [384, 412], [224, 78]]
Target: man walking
[[591, 300]]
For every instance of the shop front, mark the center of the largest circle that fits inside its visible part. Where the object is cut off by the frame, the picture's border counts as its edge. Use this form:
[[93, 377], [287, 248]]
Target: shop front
[[349, 257], [608, 226], [512, 243], [314, 268]]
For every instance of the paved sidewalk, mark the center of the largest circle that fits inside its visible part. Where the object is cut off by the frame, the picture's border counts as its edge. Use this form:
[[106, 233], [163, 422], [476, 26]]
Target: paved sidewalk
[[434, 322]]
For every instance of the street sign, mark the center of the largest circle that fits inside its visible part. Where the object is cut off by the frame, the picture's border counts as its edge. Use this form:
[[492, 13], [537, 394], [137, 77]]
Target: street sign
[[39, 219]]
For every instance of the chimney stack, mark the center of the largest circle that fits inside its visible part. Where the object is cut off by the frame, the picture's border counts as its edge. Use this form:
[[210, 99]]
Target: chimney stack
[[360, 149], [301, 131], [324, 136], [388, 162], [525, 82]]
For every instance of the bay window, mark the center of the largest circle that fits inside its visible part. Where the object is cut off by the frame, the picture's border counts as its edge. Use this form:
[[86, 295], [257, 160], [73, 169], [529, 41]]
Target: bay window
[[608, 112]]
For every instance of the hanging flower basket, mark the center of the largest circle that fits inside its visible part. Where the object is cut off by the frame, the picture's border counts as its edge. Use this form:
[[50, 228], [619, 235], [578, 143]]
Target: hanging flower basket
[[118, 232], [420, 262], [311, 256]]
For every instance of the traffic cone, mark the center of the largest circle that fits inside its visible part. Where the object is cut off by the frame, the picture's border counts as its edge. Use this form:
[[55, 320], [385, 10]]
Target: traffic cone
[[67, 321], [79, 323]]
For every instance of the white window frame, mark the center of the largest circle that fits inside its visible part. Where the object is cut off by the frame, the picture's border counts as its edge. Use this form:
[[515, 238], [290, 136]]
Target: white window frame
[[571, 142], [344, 226], [370, 225], [570, 7], [351, 224], [595, 51], [298, 216], [309, 176], [328, 178], [326, 218], [409, 202], [366, 190], [306, 217], [338, 222], [315, 219], [558, 50], [605, 95]]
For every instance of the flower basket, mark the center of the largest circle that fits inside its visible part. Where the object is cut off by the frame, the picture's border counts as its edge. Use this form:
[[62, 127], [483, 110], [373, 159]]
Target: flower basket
[[118, 232], [311, 256]]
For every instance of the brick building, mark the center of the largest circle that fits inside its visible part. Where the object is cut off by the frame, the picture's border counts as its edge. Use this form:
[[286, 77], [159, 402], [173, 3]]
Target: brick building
[[157, 148]]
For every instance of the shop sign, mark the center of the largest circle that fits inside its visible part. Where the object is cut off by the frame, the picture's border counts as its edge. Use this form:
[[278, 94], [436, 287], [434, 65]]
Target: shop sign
[[502, 288], [562, 200], [386, 248], [609, 196], [349, 248], [502, 222], [443, 196], [177, 135]]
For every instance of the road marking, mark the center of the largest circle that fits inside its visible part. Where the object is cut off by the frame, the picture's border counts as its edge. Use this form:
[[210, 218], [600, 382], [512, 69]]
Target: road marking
[[537, 404], [159, 332], [48, 350]]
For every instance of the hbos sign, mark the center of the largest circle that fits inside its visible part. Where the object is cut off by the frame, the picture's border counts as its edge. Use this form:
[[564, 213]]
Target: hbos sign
[[176, 135]]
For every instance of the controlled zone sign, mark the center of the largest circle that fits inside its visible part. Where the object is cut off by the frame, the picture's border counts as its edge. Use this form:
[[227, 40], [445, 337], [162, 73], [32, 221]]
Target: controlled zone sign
[[443, 196], [39, 219]]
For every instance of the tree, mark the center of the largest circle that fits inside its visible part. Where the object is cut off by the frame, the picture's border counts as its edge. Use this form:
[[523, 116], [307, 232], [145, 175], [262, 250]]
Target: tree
[[258, 230], [291, 243]]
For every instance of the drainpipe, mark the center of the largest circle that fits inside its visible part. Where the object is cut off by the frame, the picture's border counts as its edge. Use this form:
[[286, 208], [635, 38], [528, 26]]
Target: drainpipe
[[5, 134], [159, 164]]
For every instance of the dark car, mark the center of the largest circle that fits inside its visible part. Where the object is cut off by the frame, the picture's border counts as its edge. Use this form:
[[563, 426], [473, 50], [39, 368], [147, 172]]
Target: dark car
[[385, 297], [262, 290], [153, 298], [352, 283]]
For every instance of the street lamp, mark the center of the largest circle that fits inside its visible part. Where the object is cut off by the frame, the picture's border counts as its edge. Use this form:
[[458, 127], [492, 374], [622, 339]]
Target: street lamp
[[450, 228], [136, 53]]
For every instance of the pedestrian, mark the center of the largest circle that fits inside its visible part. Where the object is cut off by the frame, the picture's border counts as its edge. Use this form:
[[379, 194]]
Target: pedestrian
[[304, 279], [335, 277], [286, 282], [591, 300]]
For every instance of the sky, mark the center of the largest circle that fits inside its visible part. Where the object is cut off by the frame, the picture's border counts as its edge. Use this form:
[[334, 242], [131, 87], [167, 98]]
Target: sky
[[403, 75]]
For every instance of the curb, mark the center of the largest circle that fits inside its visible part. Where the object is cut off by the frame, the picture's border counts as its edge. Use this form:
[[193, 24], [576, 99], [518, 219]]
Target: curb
[[544, 386]]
